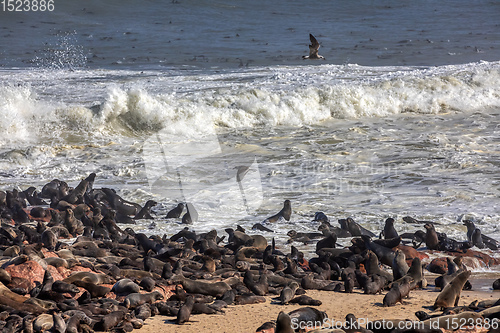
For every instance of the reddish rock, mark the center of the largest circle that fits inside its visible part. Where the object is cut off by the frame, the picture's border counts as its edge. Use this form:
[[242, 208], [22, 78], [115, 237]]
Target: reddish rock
[[26, 274], [46, 253], [55, 273], [438, 266], [75, 296]]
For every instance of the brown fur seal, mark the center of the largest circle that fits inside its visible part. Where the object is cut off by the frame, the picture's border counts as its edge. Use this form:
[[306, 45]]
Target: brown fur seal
[[88, 249], [288, 292], [95, 278], [249, 299], [384, 255], [431, 237], [415, 274], [260, 288], [283, 323], [399, 265], [77, 318], [245, 254], [305, 300], [136, 299], [190, 216], [477, 239], [145, 212], [56, 262], [5, 277], [94, 289], [63, 287], [389, 230], [238, 238], [372, 267], [143, 312], [452, 322], [260, 242], [125, 287], [43, 322], [110, 320], [49, 239], [176, 212], [185, 311], [396, 294], [450, 294], [307, 315], [77, 193], [388, 242], [147, 283]]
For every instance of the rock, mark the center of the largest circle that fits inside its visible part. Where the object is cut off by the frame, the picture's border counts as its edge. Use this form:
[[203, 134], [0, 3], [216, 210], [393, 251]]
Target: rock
[[24, 275]]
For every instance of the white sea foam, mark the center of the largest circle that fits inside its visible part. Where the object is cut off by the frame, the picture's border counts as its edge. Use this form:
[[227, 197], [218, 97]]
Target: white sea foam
[[288, 96]]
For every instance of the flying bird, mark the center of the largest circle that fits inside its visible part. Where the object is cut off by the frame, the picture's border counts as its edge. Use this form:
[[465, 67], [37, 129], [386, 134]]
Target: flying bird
[[313, 49]]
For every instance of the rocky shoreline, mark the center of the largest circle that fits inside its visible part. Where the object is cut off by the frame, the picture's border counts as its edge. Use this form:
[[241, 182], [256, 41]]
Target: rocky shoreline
[[71, 263]]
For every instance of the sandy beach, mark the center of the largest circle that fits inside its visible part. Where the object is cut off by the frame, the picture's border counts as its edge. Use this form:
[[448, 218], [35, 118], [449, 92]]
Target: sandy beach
[[247, 318]]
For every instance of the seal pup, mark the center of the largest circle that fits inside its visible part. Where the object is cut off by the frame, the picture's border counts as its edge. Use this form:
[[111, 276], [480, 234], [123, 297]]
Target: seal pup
[[313, 49], [285, 213]]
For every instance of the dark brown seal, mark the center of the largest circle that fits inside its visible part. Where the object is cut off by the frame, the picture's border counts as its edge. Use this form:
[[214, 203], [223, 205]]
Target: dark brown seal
[[431, 237], [285, 212], [185, 311], [176, 212]]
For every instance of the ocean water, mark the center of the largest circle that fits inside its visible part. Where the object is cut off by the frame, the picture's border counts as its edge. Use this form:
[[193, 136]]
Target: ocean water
[[211, 103]]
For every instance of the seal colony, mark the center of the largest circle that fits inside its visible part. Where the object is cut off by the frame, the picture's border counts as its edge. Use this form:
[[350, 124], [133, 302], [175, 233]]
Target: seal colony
[[70, 263]]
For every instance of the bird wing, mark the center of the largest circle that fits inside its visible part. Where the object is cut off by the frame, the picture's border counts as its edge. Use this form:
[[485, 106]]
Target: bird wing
[[313, 48]]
